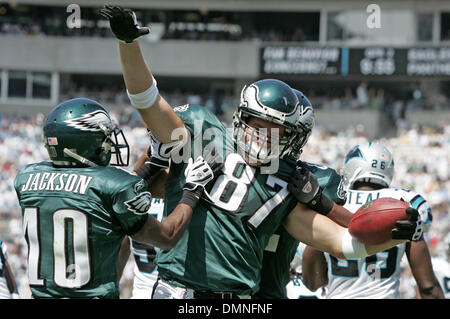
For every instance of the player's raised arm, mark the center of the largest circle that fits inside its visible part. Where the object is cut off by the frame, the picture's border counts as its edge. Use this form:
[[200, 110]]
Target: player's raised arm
[[141, 85]]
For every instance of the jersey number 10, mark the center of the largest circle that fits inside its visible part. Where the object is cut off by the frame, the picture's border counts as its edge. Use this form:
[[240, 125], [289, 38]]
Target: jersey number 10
[[73, 275]]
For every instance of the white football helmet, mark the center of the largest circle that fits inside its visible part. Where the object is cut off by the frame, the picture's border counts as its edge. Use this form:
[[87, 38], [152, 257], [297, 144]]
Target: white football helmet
[[371, 163]]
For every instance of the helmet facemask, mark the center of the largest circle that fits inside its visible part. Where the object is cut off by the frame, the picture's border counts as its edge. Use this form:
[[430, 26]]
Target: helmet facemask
[[118, 146], [260, 146], [257, 144], [299, 141]]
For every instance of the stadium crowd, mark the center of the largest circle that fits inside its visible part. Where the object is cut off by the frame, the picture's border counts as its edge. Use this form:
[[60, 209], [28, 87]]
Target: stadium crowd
[[44, 21], [362, 96], [421, 158]]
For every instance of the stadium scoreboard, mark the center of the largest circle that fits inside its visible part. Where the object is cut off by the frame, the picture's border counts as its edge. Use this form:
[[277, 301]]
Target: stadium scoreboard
[[369, 61]]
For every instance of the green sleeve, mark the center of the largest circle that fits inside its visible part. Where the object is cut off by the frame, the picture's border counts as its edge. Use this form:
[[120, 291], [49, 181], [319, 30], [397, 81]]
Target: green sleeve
[[330, 181], [131, 205], [334, 189]]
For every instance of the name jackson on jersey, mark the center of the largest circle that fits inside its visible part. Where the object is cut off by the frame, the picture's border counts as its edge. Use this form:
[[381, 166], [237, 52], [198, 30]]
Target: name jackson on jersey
[[75, 183], [79, 184]]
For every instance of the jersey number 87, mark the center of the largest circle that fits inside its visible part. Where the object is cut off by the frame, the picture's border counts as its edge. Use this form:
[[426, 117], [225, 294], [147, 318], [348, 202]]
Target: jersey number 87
[[230, 190]]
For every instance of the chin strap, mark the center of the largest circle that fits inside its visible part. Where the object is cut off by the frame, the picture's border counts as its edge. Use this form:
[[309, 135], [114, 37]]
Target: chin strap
[[79, 158]]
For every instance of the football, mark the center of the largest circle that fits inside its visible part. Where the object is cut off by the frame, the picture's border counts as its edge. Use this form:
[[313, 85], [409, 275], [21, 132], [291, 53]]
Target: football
[[373, 222]]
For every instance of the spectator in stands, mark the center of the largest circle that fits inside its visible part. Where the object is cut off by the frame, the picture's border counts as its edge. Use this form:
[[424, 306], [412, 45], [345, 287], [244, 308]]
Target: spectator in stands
[[417, 98], [377, 100], [362, 95]]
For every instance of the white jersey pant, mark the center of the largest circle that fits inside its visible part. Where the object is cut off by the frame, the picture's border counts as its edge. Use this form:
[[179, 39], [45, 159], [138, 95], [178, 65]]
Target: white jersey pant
[[163, 290], [143, 284]]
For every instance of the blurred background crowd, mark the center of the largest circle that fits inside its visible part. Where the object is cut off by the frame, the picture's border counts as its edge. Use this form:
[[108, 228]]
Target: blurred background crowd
[[360, 96], [172, 24]]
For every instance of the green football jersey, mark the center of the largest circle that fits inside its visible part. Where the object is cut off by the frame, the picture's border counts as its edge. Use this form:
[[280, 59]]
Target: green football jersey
[[275, 273], [74, 220], [223, 246]]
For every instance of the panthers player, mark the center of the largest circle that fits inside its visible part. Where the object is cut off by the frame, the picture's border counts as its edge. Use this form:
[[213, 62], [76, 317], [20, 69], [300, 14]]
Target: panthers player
[[222, 255], [76, 208], [296, 289], [282, 247], [8, 287], [368, 172], [145, 270], [153, 167]]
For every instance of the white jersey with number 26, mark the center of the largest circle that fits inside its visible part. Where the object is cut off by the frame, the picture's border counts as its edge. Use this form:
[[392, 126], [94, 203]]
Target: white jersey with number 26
[[376, 276]]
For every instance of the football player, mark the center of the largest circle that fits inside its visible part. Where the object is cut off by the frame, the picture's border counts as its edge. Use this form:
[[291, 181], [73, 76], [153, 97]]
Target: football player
[[8, 287], [367, 173], [77, 209], [282, 247], [153, 169], [145, 270], [296, 289], [222, 255]]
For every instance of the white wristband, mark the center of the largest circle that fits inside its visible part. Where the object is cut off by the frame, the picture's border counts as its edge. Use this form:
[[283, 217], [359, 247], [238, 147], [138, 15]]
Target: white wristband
[[144, 99], [352, 248]]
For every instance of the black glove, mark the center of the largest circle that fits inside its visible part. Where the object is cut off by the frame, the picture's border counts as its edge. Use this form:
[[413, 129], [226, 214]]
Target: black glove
[[200, 174], [149, 168], [305, 188], [123, 23], [411, 229]]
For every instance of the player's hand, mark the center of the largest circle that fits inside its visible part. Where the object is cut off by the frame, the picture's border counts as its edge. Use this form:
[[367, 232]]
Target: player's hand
[[305, 188], [303, 185], [123, 23], [411, 229], [199, 175], [202, 171]]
